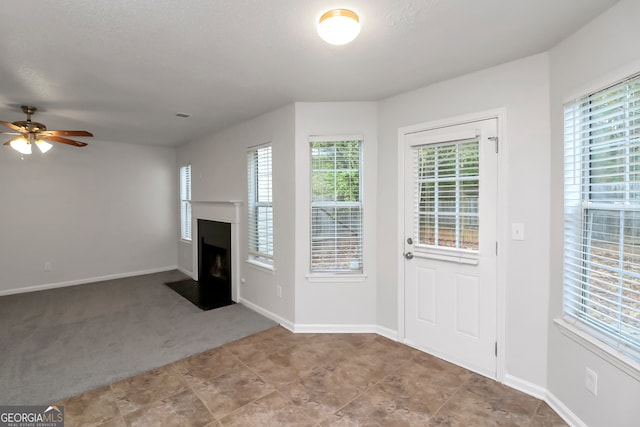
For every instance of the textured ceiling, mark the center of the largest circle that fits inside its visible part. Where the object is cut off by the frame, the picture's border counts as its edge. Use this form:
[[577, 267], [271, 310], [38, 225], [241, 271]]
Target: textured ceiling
[[123, 68]]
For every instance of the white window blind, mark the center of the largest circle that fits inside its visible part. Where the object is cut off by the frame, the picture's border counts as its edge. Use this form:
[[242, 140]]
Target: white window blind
[[185, 202], [602, 215], [336, 206], [446, 206], [260, 206]]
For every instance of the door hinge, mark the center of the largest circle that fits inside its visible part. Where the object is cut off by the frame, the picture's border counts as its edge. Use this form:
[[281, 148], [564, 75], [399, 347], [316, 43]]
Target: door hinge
[[496, 248], [496, 348], [495, 139]]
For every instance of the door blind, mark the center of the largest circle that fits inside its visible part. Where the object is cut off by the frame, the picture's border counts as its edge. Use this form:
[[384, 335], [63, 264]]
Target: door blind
[[447, 190], [602, 214]]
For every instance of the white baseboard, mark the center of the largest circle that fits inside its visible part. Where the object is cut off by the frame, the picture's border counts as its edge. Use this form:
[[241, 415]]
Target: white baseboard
[[525, 386], [387, 333], [185, 271], [84, 281], [266, 313], [543, 394], [565, 413], [321, 328], [345, 329], [334, 329]]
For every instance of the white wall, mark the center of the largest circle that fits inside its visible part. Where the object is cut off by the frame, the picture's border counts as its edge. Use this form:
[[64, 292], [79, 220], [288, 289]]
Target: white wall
[[104, 210], [219, 173], [522, 88], [347, 304], [599, 54]]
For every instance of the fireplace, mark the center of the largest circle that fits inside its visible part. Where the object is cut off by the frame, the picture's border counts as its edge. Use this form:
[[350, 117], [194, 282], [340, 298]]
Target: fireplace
[[213, 288], [214, 260]]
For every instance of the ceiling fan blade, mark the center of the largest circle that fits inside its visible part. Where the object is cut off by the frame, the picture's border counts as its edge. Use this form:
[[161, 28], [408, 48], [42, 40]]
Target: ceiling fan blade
[[10, 133], [66, 133], [11, 126], [12, 139], [64, 140]]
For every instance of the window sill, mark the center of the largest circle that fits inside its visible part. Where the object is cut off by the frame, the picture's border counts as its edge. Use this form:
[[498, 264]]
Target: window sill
[[185, 241], [265, 268], [595, 346], [336, 278]]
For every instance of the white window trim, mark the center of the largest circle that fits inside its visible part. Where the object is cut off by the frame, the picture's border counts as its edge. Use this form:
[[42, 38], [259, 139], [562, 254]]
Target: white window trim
[[267, 268], [187, 202], [584, 336], [255, 258], [592, 339], [339, 276]]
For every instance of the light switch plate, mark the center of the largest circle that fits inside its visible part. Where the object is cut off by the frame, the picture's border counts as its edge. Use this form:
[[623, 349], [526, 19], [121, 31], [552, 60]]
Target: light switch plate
[[517, 231]]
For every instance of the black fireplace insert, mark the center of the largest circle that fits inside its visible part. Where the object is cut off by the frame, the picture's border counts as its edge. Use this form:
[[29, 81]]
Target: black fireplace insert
[[213, 288]]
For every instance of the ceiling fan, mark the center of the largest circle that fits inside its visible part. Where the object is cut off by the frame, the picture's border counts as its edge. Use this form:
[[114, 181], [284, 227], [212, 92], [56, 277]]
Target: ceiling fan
[[27, 133]]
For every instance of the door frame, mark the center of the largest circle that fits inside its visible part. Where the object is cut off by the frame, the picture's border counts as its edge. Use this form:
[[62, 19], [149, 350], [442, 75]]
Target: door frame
[[501, 218]]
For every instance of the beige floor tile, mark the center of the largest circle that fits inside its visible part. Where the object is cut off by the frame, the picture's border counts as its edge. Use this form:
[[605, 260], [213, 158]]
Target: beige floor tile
[[546, 417], [146, 388], [320, 393], [421, 388], [92, 408], [482, 400], [284, 336], [180, 410], [287, 365], [115, 422], [228, 392], [375, 407], [255, 347], [277, 378], [207, 365], [270, 410], [389, 350]]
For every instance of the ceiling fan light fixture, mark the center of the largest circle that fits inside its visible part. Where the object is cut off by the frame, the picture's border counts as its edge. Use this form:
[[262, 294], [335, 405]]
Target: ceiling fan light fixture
[[339, 26], [43, 146], [21, 145]]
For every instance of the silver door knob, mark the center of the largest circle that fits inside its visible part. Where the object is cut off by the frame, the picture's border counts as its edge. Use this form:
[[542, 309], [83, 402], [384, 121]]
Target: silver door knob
[[408, 255]]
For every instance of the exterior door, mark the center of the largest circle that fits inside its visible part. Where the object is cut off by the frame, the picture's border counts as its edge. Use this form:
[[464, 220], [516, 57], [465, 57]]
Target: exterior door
[[450, 199]]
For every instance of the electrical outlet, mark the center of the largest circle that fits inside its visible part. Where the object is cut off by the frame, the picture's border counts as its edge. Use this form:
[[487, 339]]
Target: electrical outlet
[[591, 381], [279, 291], [47, 266]]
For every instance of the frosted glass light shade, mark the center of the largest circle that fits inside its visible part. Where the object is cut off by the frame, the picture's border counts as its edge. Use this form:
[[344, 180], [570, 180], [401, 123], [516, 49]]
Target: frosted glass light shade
[[44, 146], [339, 26], [21, 145]]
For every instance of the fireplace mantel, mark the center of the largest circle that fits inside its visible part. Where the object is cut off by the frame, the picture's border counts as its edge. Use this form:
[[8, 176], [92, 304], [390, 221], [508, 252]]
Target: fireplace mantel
[[216, 210], [223, 211]]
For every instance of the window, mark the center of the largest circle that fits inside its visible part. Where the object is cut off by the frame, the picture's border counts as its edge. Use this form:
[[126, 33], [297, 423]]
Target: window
[[260, 205], [447, 194], [185, 203], [336, 206], [602, 215]]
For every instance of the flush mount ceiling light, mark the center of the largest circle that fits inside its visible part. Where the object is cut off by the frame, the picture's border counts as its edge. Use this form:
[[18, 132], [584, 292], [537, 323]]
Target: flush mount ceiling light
[[339, 26]]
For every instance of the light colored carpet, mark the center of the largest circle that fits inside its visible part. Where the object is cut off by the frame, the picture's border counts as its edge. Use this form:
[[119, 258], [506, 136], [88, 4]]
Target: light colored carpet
[[61, 342]]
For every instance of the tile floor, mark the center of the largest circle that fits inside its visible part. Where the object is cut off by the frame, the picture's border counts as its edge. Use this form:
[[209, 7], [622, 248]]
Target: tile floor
[[277, 378]]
